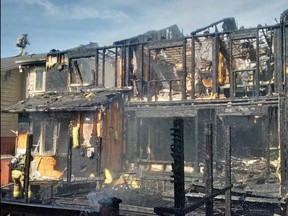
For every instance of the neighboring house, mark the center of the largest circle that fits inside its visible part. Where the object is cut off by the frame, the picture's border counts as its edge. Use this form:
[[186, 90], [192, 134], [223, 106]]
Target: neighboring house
[[15, 73]]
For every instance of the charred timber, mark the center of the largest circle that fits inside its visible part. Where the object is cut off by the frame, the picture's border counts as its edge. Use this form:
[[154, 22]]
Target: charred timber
[[161, 44]]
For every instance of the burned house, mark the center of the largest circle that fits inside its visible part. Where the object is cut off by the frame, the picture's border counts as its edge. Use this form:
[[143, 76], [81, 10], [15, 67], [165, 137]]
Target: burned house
[[14, 77], [222, 91]]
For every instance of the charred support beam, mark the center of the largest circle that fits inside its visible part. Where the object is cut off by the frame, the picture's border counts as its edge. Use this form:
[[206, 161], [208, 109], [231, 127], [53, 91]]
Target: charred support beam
[[197, 159], [69, 154], [27, 166], [184, 72], [227, 143], [116, 67], [177, 149], [208, 174], [278, 58], [138, 129], [103, 68], [215, 143], [128, 65], [99, 149], [193, 67], [123, 65], [231, 74], [97, 68], [257, 66], [142, 73], [215, 57], [285, 42], [268, 134], [149, 76], [283, 141]]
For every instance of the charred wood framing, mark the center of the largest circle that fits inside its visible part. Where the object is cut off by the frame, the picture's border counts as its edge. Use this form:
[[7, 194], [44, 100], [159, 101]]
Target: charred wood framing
[[285, 54], [257, 66], [69, 154], [128, 65], [208, 167], [227, 143], [177, 149], [283, 140], [27, 165], [231, 74], [244, 34], [97, 68], [215, 57], [193, 65], [197, 159], [192, 207], [142, 73], [184, 72], [116, 66], [278, 55], [103, 67], [166, 44], [81, 53]]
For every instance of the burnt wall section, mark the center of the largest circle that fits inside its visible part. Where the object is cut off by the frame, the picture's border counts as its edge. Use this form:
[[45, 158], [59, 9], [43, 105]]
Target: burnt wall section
[[56, 80], [23, 123]]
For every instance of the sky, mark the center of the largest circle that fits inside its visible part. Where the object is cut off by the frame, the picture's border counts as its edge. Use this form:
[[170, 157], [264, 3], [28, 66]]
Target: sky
[[64, 24]]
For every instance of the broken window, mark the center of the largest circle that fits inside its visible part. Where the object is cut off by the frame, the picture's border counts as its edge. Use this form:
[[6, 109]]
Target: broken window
[[45, 134], [39, 80], [83, 71]]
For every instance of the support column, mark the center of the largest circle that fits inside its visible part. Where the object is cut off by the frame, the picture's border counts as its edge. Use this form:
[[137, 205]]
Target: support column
[[231, 74], [193, 72], [177, 152], [69, 154], [283, 139], [103, 68], [116, 67], [208, 167], [257, 66], [215, 57], [197, 160], [184, 72], [97, 68], [27, 166], [227, 143]]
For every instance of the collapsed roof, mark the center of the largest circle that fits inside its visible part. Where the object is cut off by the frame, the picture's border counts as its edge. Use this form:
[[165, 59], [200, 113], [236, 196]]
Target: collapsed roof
[[69, 101]]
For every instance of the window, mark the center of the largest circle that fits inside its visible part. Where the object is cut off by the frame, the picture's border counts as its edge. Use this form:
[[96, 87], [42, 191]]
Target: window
[[83, 71], [45, 134], [39, 80]]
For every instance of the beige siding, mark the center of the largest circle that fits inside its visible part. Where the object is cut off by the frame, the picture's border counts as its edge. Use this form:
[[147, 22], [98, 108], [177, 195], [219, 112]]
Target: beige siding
[[12, 91]]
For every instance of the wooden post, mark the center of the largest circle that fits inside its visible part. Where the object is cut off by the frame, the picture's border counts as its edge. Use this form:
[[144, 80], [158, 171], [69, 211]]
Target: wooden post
[[27, 166], [227, 143]]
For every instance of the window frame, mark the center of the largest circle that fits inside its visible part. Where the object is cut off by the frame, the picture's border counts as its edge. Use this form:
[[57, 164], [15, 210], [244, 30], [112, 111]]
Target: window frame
[[43, 89], [43, 135]]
